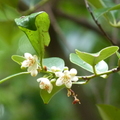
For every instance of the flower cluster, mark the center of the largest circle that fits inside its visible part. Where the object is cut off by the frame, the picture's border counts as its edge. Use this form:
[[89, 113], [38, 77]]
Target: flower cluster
[[65, 77], [60, 77]]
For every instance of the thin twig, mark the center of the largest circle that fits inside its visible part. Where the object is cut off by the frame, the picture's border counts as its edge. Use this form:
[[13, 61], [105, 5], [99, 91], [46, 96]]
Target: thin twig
[[99, 26]]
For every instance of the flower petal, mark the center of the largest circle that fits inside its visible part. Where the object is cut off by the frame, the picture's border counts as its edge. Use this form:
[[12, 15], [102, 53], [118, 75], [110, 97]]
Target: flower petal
[[73, 72], [24, 64], [34, 73], [28, 55], [50, 88], [59, 74], [45, 84], [68, 84], [59, 82], [75, 78]]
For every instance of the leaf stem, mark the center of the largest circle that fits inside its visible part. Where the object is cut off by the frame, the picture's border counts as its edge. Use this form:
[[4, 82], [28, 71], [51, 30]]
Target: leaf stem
[[41, 63], [11, 76], [94, 70]]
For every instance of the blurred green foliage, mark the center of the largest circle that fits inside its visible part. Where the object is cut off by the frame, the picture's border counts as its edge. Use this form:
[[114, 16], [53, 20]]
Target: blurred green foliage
[[71, 28]]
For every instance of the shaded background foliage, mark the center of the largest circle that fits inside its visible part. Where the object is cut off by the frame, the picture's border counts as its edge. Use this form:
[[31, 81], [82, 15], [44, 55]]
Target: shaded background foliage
[[71, 28]]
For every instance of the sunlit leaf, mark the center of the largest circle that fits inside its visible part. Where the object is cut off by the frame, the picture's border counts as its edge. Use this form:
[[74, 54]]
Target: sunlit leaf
[[18, 59], [95, 58], [108, 112], [54, 61], [36, 28]]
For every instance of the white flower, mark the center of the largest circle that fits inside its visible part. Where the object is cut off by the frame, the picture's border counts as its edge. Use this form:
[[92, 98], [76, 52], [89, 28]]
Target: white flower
[[31, 63], [73, 72], [66, 77], [54, 69], [45, 84]]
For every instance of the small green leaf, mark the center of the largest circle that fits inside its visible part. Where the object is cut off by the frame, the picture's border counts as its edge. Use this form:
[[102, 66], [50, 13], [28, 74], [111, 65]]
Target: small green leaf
[[36, 28], [101, 67], [46, 97], [108, 112], [96, 4], [54, 61], [101, 6], [95, 58], [18, 59], [118, 54], [78, 61]]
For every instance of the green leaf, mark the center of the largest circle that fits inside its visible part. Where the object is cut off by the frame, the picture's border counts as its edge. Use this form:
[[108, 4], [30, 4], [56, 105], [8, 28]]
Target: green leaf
[[118, 54], [95, 58], [54, 61], [97, 4], [102, 11], [108, 112], [46, 97], [18, 59], [103, 4], [36, 28], [74, 58], [101, 67]]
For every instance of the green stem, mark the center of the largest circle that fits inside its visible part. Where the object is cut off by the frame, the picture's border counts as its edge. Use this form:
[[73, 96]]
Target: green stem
[[95, 75], [11, 76], [94, 70], [41, 62]]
